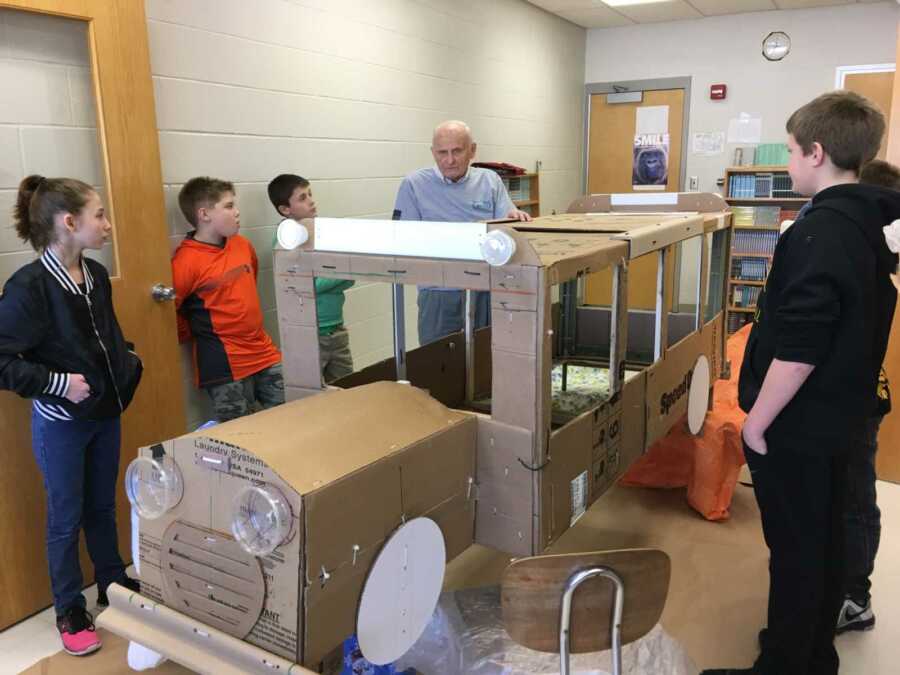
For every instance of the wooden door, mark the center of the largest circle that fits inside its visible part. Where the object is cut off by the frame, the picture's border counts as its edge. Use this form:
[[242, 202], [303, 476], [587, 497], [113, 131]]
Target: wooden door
[[126, 123], [878, 88], [611, 140], [610, 161]]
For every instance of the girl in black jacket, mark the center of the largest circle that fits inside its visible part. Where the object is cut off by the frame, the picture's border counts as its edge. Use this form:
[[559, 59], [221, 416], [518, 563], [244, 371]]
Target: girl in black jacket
[[61, 346]]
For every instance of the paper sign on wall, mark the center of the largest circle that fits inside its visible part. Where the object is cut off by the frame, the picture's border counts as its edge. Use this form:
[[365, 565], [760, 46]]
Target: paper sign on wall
[[745, 128], [708, 143], [651, 119], [650, 168]]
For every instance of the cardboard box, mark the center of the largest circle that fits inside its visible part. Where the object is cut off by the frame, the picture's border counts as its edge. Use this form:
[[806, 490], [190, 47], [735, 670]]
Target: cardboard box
[[353, 465]]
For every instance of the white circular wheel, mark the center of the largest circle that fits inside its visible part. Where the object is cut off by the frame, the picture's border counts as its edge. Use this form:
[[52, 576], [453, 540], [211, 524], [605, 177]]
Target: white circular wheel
[[401, 591], [698, 397]]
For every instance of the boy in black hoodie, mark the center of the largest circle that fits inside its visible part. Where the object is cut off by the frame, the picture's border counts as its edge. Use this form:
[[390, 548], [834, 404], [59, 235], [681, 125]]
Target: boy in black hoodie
[[810, 374]]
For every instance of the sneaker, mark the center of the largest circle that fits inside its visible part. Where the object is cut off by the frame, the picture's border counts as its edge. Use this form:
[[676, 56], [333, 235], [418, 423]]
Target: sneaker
[[855, 616], [127, 582], [76, 628]]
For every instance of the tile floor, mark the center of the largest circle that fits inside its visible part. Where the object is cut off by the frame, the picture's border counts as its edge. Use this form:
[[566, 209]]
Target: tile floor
[[716, 600]]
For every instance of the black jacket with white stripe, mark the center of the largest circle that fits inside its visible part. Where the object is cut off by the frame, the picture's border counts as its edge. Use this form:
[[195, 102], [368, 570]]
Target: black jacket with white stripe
[[50, 328]]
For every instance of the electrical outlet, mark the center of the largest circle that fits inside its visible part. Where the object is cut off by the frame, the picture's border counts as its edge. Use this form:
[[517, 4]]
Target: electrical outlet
[[693, 184]]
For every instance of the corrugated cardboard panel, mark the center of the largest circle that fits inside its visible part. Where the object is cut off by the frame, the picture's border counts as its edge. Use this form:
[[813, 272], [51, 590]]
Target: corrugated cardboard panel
[[714, 344], [340, 433], [650, 238], [418, 271], [439, 368], [456, 518], [436, 468], [465, 274], [358, 510], [515, 389], [634, 416], [483, 360], [511, 534], [300, 355], [514, 330], [504, 455], [570, 457], [330, 264], [295, 305], [514, 287], [334, 607], [292, 263], [668, 383], [505, 486], [372, 265]]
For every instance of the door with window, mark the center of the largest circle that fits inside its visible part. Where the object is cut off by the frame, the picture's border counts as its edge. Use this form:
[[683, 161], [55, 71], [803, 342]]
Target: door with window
[[76, 99], [616, 161]]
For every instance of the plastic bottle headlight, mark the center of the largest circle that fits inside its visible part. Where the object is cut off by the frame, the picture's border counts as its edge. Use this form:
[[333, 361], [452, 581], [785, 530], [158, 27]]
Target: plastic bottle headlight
[[497, 248], [153, 486], [291, 234], [260, 519]]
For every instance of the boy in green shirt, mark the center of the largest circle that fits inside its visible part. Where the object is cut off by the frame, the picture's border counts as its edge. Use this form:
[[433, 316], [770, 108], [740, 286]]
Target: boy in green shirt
[[292, 197]]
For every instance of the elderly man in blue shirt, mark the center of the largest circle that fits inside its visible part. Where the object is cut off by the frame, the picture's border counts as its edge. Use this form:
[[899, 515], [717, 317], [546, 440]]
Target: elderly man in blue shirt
[[452, 191]]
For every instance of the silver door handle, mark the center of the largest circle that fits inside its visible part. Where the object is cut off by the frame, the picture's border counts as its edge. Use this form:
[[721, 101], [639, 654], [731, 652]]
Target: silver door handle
[[162, 293]]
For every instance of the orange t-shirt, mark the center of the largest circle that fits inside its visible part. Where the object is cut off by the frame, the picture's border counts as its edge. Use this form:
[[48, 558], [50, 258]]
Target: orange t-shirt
[[218, 306]]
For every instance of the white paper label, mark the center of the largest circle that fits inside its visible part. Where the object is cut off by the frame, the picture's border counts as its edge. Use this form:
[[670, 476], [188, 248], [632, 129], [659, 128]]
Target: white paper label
[[579, 489]]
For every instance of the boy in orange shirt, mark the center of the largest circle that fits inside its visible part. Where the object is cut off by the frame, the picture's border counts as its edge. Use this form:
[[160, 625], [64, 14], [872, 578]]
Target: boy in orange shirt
[[215, 271]]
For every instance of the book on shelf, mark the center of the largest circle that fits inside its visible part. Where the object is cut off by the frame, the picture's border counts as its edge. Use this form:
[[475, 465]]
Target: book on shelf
[[762, 242], [737, 320], [772, 154], [745, 296], [749, 269], [756, 216], [762, 185]]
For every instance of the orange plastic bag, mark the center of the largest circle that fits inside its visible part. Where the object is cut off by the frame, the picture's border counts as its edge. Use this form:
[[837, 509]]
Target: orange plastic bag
[[707, 464]]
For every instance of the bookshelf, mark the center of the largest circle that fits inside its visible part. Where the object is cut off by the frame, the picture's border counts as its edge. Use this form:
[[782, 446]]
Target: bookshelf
[[760, 198], [525, 191]]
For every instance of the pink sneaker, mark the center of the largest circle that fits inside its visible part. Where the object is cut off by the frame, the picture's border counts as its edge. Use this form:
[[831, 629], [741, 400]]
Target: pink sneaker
[[76, 628]]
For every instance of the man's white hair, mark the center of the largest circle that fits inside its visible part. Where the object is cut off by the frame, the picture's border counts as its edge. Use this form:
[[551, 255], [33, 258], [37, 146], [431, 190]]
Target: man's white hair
[[453, 125]]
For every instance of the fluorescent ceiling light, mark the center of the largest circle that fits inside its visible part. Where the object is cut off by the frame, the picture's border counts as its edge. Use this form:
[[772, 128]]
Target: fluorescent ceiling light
[[625, 3]]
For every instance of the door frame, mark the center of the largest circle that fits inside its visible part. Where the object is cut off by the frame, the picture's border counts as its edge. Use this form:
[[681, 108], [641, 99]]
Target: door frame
[[841, 72], [592, 88], [128, 139]]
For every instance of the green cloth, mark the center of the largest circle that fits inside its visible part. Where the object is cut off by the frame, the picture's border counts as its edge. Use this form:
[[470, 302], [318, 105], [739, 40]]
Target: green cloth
[[330, 303]]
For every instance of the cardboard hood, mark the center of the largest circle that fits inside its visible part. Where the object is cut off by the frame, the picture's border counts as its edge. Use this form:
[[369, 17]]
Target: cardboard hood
[[362, 425]]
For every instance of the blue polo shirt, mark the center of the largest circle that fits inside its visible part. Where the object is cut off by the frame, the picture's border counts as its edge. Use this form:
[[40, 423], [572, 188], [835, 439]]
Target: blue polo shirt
[[426, 195]]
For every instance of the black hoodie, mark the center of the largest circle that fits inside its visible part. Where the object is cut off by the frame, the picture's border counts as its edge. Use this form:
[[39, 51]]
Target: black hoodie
[[828, 302]]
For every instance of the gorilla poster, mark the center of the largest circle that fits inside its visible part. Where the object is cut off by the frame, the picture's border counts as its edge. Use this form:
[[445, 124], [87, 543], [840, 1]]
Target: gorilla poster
[[650, 170]]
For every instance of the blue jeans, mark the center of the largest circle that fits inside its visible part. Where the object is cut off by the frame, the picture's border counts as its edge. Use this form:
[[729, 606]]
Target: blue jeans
[[444, 312], [862, 516], [79, 460]]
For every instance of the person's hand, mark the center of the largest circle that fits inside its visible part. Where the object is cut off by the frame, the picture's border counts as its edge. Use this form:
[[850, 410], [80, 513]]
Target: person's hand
[[78, 389], [754, 437], [515, 214]]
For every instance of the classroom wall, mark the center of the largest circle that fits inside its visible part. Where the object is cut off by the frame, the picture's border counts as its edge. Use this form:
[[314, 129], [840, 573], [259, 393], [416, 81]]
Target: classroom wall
[[728, 49], [346, 93]]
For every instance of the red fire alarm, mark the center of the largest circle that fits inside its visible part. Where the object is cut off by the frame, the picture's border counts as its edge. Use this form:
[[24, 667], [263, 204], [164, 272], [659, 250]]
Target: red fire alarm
[[717, 91]]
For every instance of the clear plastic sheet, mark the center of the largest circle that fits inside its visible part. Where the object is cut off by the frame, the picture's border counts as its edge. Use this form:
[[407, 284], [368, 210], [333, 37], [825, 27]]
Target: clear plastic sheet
[[466, 635]]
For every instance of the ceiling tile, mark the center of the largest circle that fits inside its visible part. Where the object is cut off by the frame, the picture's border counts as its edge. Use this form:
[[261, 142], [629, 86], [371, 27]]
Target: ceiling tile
[[597, 17], [671, 10], [715, 7], [803, 4], [563, 5]]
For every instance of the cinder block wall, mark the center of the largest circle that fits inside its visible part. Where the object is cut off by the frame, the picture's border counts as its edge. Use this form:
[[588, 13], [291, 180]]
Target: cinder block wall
[[346, 93]]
